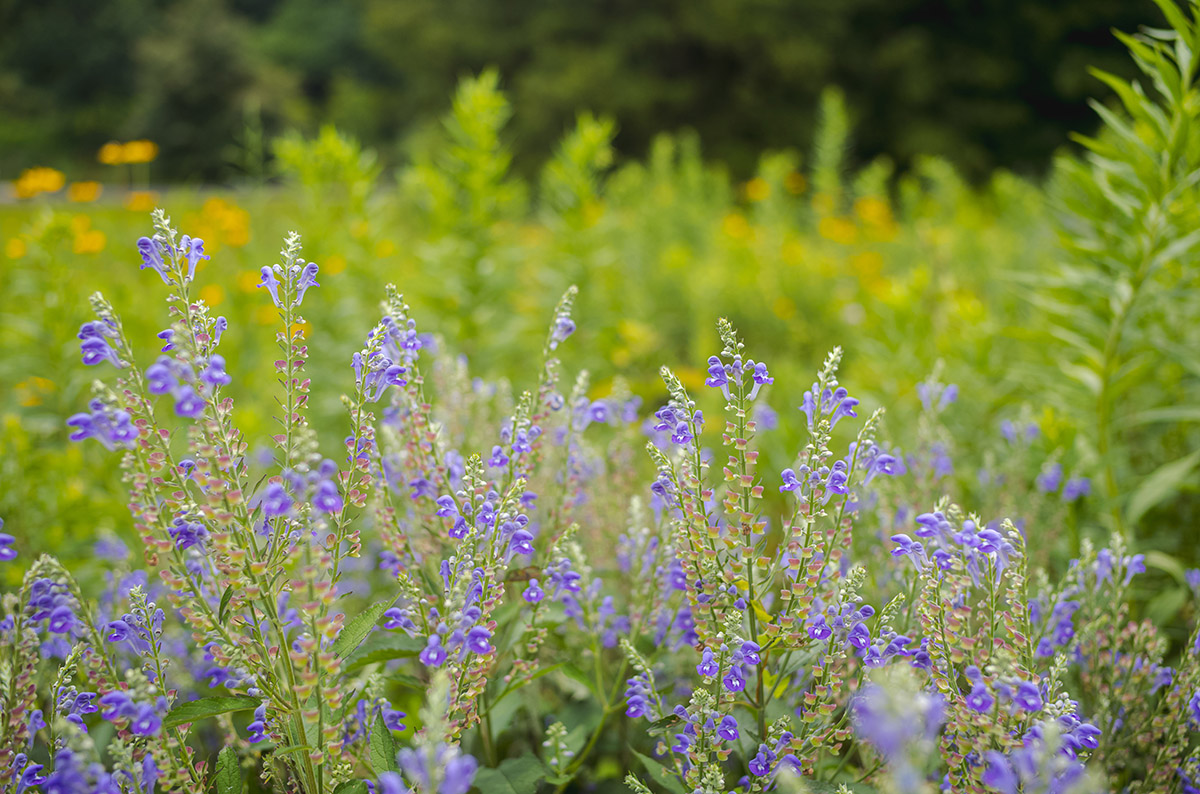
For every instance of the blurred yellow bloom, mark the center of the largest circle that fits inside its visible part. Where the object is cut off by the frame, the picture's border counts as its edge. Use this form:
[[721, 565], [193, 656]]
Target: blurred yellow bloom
[[873, 210], [784, 307], [838, 230], [792, 252], [111, 153], [248, 280], [757, 189], [228, 223], [334, 264], [823, 204], [14, 248], [79, 224], [266, 315], [30, 392], [359, 229], [91, 241], [690, 377], [795, 182], [139, 151], [141, 201], [212, 294], [33, 181], [83, 192], [385, 248], [735, 226]]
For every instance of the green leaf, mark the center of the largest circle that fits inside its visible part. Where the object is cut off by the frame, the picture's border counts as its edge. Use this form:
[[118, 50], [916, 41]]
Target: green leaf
[[196, 710], [1163, 608], [1174, 413], [1160, 486], [228, 772], [660, 774], [358, 627], [513, 776], [383, 647], [1165, 562], [224, 603], [352, 787], [578, 676], [383, 748]]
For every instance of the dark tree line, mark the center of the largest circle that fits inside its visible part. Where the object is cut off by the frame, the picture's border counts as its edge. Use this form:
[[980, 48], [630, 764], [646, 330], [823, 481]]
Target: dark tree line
[[987, 83]]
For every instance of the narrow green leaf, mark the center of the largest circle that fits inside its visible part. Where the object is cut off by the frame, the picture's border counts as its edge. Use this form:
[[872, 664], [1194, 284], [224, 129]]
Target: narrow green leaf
[[196, 710], [225, 598], [228, 772], [1165, 562], [660, 774], [1160, 486], [382, 647], [383, 748], [1174, 413], [513, 776], [358, 627], [1163, 608], [352, 787]]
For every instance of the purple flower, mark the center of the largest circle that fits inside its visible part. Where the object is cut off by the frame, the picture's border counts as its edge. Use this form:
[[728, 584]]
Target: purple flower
[[111, 427], [7, 552], [151, 251], [1050, 478], [214, 374], [734, 681], [980, 699], [458, 776], [498, 460], [708, 665], [258, 728], [433, 655], [1027, 696], [308, 278], [219, 327], [271, 283], [188, 404], [193, 249], [159, 377], [275, 500], [146, 721], [728, 729], [167, 336], [533, 594], [94, 344], [790, 482], [326, 497], [999, 774], [564, 326], [859, 636], [477, 640], [1075, 488]]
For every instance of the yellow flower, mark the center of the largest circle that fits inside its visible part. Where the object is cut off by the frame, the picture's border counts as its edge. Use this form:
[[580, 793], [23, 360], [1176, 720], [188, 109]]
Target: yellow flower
[[31, 390], [266, 315], [83, 192], [735, 226], [838, 230], [90, 242], [14, 248], [33, 181], [334, 264], [248, 280], [212, 294], [140, 151], [784, 307], [141, 201], [385, 248], [111, 153], [757, 189], [795, 182]]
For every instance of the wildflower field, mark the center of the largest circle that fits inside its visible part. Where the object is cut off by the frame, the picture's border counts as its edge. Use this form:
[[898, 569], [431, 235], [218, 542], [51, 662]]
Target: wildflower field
[[626, 476]]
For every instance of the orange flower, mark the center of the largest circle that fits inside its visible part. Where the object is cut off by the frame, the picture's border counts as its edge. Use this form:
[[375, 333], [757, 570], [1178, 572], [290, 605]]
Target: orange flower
[[111, 153], [83, 192]]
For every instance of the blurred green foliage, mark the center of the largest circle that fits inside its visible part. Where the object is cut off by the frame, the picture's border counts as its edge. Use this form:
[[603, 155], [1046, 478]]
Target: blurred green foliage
[[903, 272], [984, 84]]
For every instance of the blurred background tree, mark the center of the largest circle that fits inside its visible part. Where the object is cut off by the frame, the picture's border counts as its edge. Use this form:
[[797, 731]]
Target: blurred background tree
[[984, 83]]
